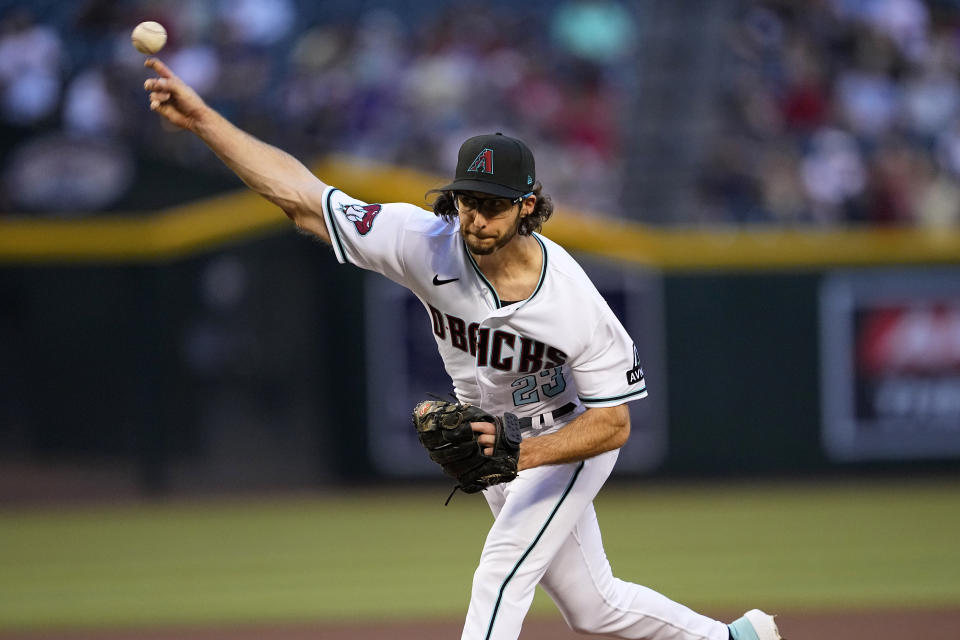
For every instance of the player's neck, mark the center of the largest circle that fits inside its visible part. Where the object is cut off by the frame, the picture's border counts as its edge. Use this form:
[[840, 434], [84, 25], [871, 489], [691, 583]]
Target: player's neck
[[514, 269]]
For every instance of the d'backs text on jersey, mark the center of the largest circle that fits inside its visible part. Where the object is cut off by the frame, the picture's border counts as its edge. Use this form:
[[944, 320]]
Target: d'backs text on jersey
[[495, 348]]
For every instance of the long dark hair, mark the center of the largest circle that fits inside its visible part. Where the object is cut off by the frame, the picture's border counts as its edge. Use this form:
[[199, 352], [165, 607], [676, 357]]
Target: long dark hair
[[443, 206]]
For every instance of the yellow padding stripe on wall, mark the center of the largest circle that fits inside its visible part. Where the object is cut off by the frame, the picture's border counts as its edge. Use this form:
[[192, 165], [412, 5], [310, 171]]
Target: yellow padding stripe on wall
[[211, 223], [755, 249], [139, 237]]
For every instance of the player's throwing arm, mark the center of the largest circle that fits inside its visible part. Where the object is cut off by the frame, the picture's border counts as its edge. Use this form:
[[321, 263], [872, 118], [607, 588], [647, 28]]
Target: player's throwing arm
[[271, 172], [539, 413]]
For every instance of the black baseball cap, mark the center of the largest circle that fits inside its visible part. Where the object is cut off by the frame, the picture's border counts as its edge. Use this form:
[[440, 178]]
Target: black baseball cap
[[495, 164]]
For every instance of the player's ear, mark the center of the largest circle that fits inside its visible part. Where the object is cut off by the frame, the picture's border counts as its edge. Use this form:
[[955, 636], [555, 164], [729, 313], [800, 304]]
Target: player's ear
[[529, 204]]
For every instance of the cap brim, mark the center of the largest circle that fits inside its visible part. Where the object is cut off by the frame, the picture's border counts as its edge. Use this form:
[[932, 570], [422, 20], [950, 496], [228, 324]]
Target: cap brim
[[481, 186]]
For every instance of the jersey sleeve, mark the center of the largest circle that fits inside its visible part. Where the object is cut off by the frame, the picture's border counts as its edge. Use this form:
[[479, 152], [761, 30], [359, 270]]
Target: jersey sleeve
[[608, 373], [370, 236]]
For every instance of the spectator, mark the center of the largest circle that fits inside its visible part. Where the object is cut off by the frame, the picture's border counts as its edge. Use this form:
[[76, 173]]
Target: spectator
[[367, 82], [859, 97], [30, 69], [376, 83]]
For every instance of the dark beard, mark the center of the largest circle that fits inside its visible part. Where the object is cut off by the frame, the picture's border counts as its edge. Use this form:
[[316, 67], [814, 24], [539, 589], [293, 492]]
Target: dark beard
[[496, 246]]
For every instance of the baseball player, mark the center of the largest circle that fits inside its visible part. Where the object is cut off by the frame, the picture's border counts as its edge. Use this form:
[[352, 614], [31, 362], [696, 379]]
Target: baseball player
[[521, 329]]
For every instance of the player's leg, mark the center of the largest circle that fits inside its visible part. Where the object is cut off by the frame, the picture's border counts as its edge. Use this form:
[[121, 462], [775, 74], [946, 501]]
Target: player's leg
[[592, 600], [534, 516]]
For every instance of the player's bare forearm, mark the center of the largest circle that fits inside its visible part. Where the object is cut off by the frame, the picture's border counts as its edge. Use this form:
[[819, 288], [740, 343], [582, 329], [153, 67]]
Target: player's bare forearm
[[594, 432], [267, 170], [271, 172]]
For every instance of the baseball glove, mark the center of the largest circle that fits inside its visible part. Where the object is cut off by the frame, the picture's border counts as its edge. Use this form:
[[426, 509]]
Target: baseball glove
[[444, 430]]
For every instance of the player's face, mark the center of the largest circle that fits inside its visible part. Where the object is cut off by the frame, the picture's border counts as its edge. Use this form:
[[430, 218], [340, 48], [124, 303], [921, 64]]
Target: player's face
[[488, 223]]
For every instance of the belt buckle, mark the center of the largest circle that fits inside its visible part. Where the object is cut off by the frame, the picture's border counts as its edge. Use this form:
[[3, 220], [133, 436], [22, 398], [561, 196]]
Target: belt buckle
[[542, 421]]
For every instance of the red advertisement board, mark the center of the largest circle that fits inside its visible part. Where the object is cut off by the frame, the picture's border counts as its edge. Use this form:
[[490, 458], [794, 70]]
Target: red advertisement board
[[891, 364]]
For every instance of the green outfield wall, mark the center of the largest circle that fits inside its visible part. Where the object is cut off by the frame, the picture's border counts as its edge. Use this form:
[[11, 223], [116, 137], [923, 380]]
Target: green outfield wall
[[212, 346]]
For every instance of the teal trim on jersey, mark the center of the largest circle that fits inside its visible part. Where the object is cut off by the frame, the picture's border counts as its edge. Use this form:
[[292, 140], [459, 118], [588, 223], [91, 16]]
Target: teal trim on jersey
[[611, 398], [334, 231], [496, 296], [503, 587], [543, 269]]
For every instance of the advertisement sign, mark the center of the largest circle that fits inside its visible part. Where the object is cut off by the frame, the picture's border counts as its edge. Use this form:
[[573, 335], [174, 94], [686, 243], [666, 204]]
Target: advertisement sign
[[891, 364], [407, 368]]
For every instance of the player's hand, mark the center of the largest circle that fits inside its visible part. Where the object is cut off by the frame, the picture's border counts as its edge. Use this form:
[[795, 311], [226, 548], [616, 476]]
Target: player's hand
[[487, 437], [171, 97]]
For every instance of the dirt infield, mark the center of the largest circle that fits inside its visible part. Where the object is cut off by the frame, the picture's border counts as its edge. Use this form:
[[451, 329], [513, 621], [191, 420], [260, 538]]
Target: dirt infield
[[862, 625]]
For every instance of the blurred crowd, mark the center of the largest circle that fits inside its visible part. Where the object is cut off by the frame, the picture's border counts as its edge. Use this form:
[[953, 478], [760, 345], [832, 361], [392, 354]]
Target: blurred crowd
[[401, 82], [839, 112], [828, 111]]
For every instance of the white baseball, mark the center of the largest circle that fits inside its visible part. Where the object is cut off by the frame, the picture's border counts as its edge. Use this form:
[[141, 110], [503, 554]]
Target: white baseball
[[148, 37]]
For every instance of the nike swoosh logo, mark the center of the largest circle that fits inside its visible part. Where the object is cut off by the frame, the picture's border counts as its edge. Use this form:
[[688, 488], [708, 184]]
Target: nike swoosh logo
[[437, 281]]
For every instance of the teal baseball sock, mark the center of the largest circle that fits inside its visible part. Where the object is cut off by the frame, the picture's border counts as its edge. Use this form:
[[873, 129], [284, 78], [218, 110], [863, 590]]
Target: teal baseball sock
[[741, 629]]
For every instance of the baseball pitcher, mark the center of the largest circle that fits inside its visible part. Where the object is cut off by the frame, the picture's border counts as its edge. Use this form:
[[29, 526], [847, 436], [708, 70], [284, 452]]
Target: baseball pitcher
[[541, 368]]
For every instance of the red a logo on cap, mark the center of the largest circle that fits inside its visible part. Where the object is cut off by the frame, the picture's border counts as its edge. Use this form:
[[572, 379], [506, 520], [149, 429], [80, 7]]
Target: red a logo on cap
[[483, 163]]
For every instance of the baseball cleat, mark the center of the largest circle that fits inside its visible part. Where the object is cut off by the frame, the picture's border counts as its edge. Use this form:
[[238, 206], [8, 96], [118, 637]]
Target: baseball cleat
[[754, 625]]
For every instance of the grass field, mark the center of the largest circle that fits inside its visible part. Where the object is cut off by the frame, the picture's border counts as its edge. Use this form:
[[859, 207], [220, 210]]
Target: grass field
[[384, 555]]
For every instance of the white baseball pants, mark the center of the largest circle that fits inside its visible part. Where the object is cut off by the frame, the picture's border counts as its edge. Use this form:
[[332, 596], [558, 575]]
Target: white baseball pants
[[546, 531]]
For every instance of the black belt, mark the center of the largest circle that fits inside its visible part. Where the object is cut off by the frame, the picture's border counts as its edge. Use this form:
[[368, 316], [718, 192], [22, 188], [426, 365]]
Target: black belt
[[527, 423]]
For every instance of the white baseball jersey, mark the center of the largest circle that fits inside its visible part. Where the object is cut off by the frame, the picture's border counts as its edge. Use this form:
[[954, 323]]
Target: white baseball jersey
[[563, 344]]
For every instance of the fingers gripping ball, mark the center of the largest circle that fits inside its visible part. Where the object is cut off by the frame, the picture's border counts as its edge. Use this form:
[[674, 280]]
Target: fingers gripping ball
[[148, 37], [444, 430]]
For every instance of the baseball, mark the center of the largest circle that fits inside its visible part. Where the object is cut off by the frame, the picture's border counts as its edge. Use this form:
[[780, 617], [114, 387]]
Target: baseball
[[148, 37]]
